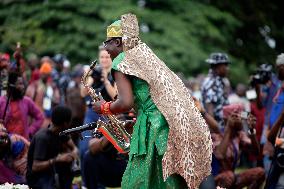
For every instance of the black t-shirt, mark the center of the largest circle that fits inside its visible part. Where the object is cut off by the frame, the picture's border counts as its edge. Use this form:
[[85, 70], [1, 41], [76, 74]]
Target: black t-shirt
[[44, 146]]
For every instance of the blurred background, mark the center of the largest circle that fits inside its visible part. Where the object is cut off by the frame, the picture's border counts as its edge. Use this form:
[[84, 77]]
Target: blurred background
[[181, 32]]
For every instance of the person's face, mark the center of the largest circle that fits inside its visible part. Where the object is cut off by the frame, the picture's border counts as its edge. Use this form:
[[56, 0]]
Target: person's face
[[104, 59], [4, 63], [20, 86], [223, 70], [280, 71], [241, 90], [113, 46], [44, 77], [59, 67]]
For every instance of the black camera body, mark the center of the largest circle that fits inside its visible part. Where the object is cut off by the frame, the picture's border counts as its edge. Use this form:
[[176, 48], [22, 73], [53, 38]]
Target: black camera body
[[262, 75], [96, 75]]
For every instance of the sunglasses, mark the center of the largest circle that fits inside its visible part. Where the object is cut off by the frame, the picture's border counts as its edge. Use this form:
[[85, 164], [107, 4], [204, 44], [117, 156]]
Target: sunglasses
[[105, 43]]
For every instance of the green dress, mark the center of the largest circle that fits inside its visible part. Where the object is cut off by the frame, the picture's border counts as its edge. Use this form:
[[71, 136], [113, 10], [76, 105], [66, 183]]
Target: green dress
[[148, 142]]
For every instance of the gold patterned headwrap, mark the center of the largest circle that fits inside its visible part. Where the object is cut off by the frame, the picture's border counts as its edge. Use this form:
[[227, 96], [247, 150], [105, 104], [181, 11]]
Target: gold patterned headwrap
[[114, 30]]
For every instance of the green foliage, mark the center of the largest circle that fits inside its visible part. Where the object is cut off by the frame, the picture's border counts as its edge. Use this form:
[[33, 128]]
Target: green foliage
[[182, 33]]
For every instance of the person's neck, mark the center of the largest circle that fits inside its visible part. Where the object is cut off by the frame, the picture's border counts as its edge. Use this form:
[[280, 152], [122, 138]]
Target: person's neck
[[54, 129]]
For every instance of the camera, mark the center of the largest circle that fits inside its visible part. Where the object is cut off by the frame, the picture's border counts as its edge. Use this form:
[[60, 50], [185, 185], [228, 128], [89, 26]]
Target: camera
[[96, 75], [262, 75]]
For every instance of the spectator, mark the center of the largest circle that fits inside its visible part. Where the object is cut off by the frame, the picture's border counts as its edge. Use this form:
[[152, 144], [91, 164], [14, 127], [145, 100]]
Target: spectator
[[214, 88], [103, 166], [239, 97], [276, 120], [266, 87], [4, 64], [102, 82], [258, 111], [18, 109], [50, 155], [44, 92], [73, 98], [13, 157], [33, 73], [60, 76], [226, 149], [108, 83]]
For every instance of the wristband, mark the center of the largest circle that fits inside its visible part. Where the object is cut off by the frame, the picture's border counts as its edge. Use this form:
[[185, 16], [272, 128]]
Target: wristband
[[105, 108]]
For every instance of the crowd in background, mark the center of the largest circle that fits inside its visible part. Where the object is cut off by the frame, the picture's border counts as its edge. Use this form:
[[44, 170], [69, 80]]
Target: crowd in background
[[45, 96]]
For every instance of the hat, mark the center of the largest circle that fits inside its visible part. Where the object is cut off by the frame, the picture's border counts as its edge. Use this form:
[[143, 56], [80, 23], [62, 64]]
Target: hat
[[280, 59], [229, 109], [45, 68], [114, 30], [218, 58]]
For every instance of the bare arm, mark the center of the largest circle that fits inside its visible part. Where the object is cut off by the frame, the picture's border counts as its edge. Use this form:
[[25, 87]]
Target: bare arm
[[68, 157], [221, 149], [210, 108], [111, 90], [97, 145], [212, 123], [275, 128]]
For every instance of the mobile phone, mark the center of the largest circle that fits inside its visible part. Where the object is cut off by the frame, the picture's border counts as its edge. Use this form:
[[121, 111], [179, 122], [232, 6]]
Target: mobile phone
[[244, 115]]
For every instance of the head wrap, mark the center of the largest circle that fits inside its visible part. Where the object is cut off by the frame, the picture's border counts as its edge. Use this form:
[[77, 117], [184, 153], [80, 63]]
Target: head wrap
[[114, 30], [232, 108], [280, 59], [45, 68]]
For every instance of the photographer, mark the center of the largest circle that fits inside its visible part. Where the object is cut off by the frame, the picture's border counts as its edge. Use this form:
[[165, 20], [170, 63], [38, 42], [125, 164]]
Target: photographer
[[266, 85], [226, 149], [275, 177]]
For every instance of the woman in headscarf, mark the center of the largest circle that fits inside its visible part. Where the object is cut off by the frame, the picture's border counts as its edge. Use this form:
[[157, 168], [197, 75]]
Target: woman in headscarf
[[170, 145]]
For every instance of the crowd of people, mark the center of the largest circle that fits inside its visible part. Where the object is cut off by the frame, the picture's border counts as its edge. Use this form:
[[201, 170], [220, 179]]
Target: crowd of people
[[45, 96]]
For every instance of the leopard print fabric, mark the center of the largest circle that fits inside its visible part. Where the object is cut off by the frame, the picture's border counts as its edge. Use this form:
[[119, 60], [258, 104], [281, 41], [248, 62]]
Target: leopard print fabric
[[189, 146]]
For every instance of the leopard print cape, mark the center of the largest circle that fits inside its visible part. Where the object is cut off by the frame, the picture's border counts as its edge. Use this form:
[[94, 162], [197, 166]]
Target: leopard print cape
[[189, 146]]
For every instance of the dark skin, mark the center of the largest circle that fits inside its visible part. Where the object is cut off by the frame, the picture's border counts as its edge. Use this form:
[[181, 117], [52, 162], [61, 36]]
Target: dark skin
[[20, 87], [125, 99], [233, 125], [66, 157], [222, 71]]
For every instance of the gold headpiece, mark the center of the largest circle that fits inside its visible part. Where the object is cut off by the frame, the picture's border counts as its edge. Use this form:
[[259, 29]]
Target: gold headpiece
[[114, 30]]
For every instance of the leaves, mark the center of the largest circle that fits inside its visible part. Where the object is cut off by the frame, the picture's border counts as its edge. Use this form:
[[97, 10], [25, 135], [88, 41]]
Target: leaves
[[182, 33]]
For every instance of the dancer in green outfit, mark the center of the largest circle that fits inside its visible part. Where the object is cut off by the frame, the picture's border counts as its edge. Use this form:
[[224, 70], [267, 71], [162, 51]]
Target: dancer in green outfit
[[170, 145]]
